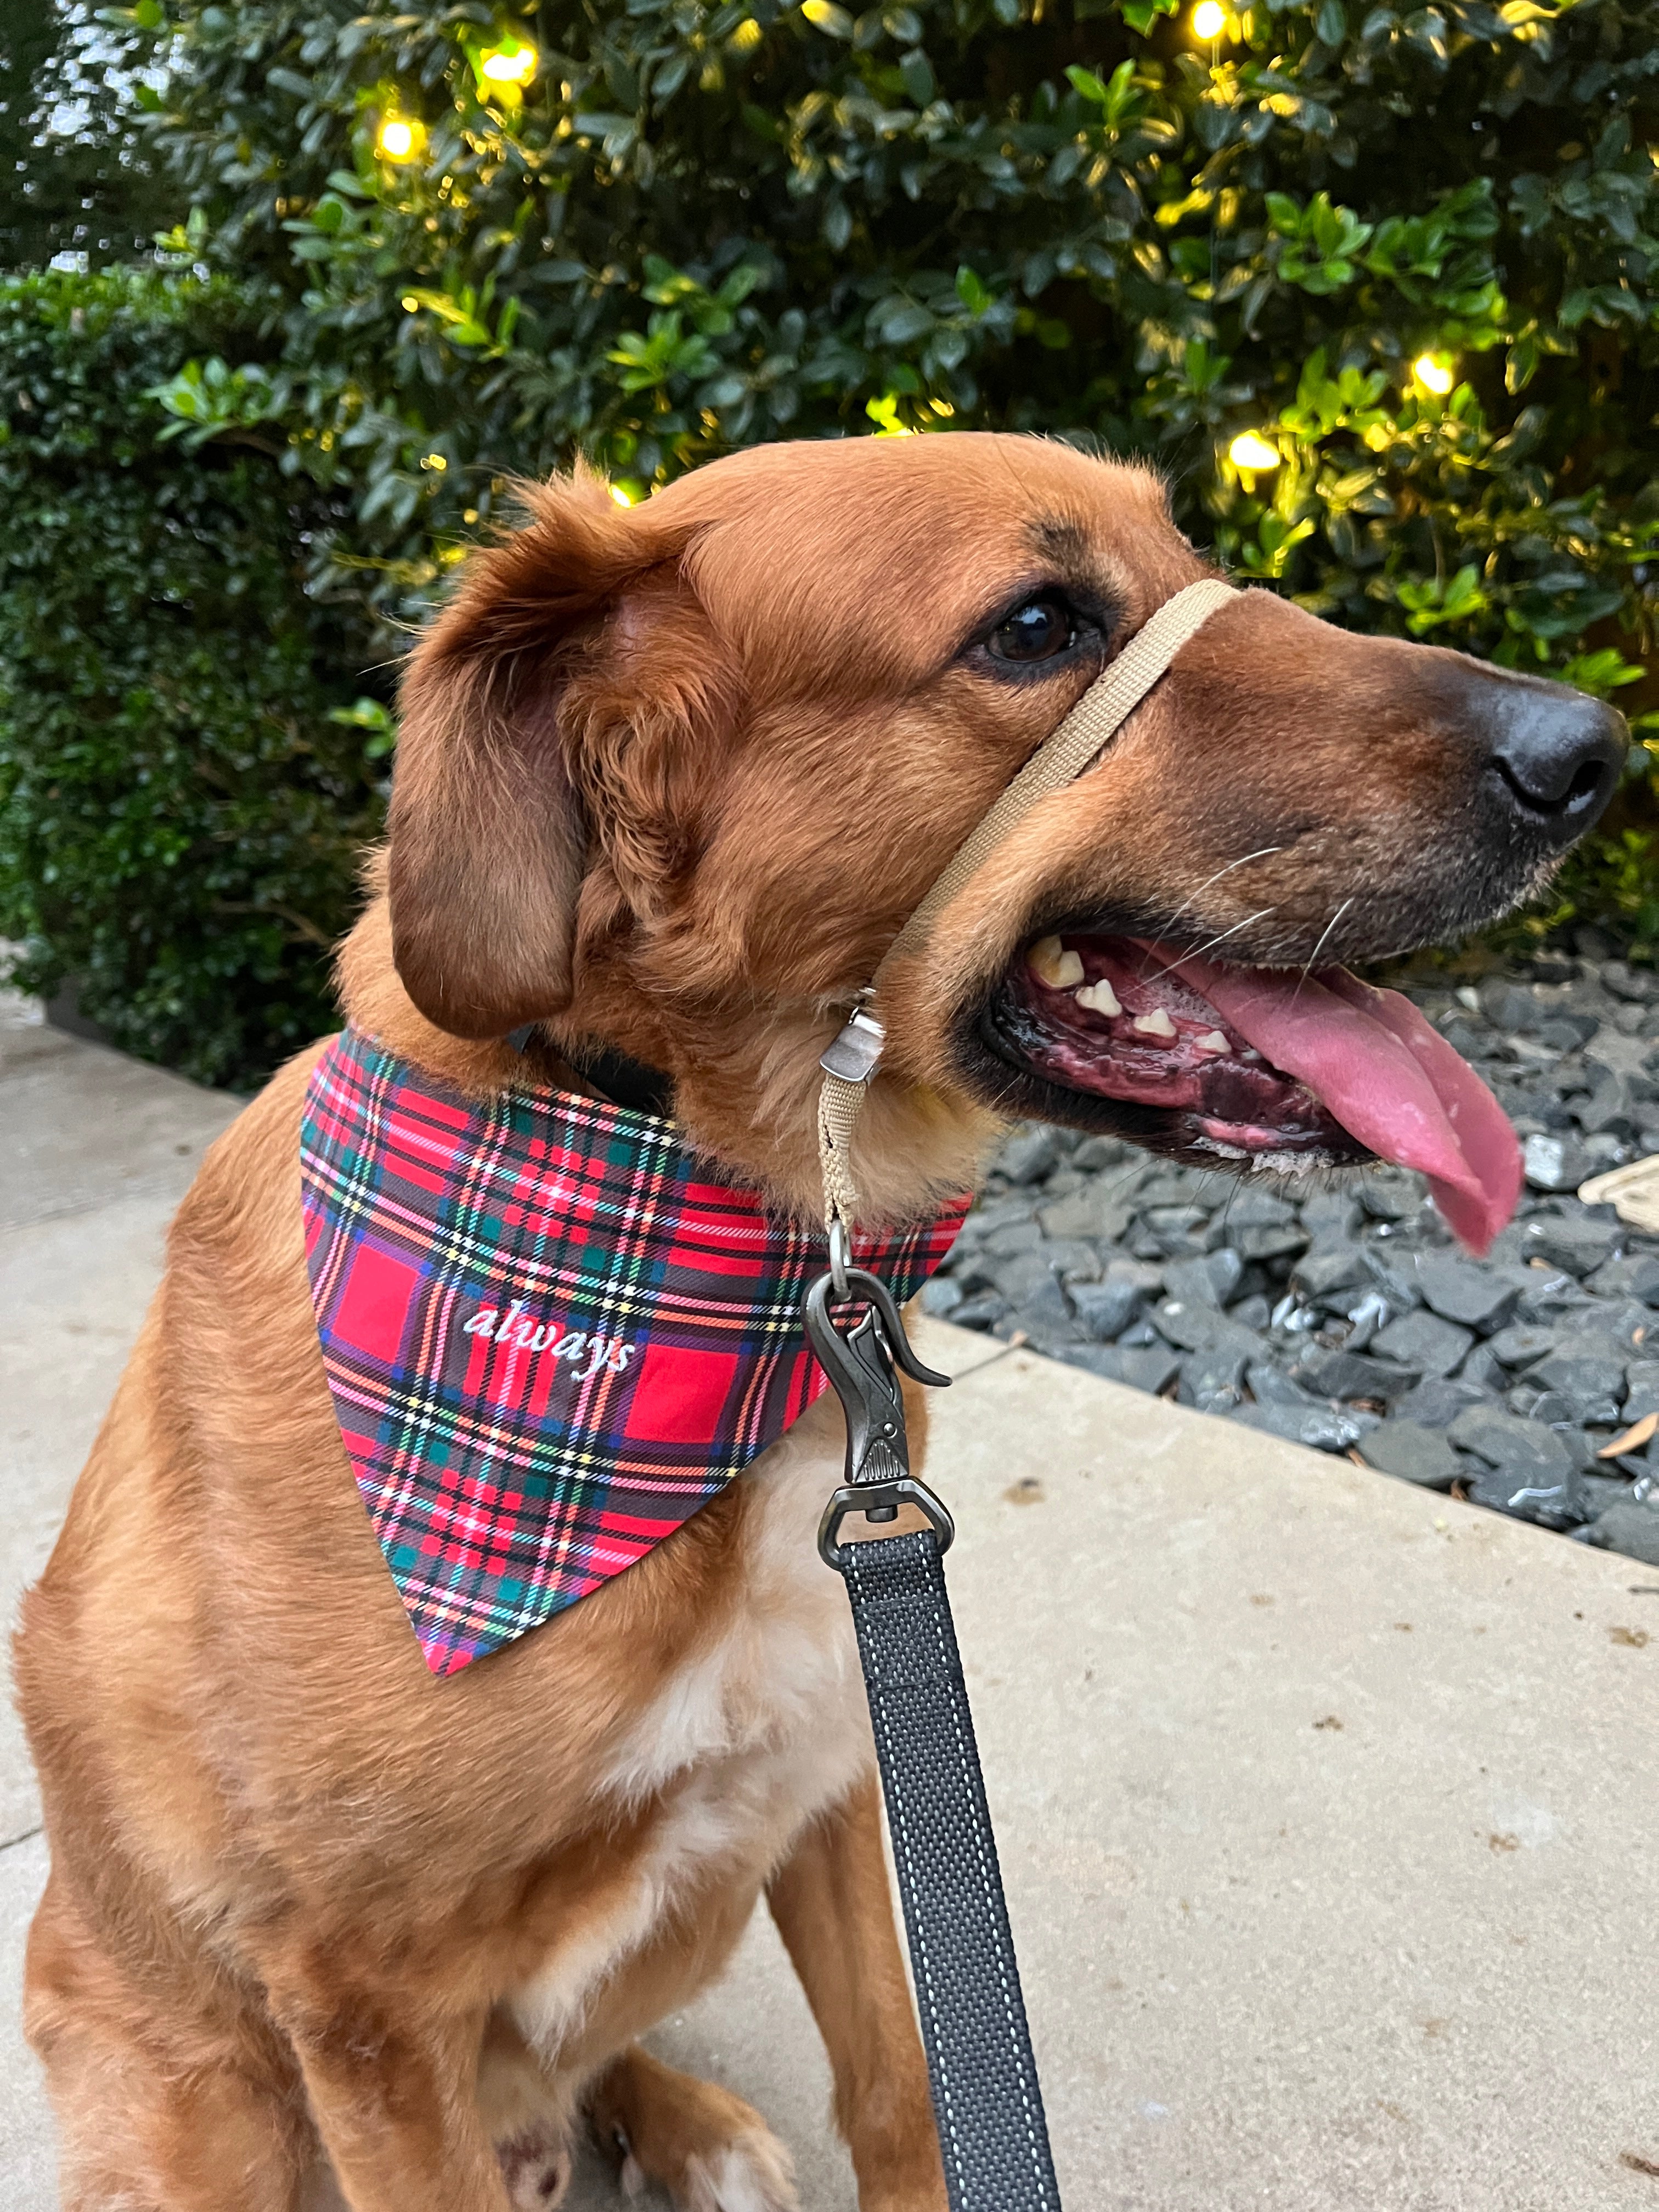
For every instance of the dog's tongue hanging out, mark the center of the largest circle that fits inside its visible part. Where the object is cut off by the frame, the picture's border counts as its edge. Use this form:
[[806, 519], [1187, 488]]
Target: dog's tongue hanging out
[[1388, 1077], [1269, 1065]]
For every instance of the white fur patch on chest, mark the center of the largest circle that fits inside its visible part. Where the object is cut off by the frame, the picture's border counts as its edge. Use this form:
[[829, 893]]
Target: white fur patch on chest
[[760, 1731]]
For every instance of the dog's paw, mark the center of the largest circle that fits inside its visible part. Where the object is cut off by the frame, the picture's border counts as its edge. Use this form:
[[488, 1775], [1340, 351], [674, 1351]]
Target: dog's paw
[[708, 2149], [536, 2167]]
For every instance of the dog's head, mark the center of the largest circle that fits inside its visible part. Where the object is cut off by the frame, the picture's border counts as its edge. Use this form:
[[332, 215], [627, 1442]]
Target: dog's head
[[671, 778]]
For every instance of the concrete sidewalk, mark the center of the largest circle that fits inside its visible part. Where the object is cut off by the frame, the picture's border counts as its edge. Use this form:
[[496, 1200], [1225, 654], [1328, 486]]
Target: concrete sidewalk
[[1327, 1807]]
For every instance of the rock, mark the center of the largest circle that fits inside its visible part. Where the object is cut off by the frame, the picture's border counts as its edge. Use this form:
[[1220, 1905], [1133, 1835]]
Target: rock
[[1197, 1326], [1478, 1298], [981, 1312], [1395, 1276], [1412, 1452], [1423, 1342], [1071, 1260], [1322, 1428], [1270, 1386], [1045, 1313], [1028, 1155], [1389, 1197], [1642, 1389], [1483, 1370], [1522, 1343], [1210, 1380], [1107, 1308], [1331, 1216], [1636, 1276], [1523, 1449], [1629, 1527], [1351, 1375], [1548, 1501], [940, 1297], [1252, 1313], [1637, 984], [1554, 1163], [1211, 1281], [1150, 1368], [1097, 1152], [1260, 1241], [1013, 1238], [1576, 1244], [1318, 1274], [1592, 1387], [1437, 1400], [1089, 1212]]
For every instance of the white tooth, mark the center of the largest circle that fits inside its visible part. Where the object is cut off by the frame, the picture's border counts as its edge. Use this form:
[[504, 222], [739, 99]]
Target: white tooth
[[1056, 967], [1099, 998], [1156, 1024], [1213, 1042]]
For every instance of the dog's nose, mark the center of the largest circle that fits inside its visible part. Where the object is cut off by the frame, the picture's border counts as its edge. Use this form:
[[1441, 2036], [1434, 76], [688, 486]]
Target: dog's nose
[[1556, 754]]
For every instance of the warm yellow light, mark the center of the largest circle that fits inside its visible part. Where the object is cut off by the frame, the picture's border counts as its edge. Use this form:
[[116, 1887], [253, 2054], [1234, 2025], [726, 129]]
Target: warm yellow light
[[511, 65], [620, 496], [1209, 21], [1433, 373], [434, 461], [398, 139], [747, 36], [411, 306], [1251, 450]]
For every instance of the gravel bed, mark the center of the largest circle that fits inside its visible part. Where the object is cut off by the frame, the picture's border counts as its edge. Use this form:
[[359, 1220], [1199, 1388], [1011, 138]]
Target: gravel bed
[[1338, 1312]]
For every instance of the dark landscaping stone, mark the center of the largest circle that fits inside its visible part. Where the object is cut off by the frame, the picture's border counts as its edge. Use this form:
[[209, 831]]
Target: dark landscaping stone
[[1423, 1342], [1028, 1155], [1322, 1428], [1395, 1276], [1331, 1216], [1389, 1197], [1628, 1527], [1089, 1212], [1642, 1389], [1414, 1453], [1196, 1327], [1521, 1343], [1578, 1245], [1351, 1375], [1523, 1449], [1210, 1380], [1546, 1500], [1262, 1241], [1555, 1163], [1106, 1308], [1045, 1312], [1013, 1238], [1636, 1276], [1271, 1386], [979, 1312], [1593, 1387], [1317, 1274], [1483, 1370], [1457, 1290], [941, 1296], [1437, 1400], [1252, 1313], [1209, 1281]]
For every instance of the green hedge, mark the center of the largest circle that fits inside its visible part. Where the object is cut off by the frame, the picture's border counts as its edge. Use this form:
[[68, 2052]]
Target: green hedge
[[179, 816]]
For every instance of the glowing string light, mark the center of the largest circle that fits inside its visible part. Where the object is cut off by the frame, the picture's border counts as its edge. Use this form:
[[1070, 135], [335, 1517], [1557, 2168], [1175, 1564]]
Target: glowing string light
[[1434, 373], [1251, 452], [511, 63], [398, 139], [1209, 21]]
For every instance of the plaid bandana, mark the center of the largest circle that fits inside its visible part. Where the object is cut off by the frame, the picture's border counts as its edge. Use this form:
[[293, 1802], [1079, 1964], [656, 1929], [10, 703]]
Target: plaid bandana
[[550, 1334]]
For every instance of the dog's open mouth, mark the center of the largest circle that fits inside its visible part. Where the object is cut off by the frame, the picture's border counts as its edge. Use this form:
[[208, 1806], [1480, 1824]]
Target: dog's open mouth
[[1259, 1066]]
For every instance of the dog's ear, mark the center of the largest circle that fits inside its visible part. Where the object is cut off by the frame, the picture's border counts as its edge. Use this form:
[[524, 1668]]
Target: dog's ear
[[489, 840]]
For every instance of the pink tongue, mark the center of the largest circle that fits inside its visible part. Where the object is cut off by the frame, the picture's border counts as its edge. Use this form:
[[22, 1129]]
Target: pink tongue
[[1389, 1078]]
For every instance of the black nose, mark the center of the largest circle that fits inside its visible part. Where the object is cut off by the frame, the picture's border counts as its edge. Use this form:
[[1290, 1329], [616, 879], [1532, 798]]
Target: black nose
[[1557, 753]]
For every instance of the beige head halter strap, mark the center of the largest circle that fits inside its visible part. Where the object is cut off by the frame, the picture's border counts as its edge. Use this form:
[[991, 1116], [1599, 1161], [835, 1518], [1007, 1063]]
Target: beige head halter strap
[[851, 1061]]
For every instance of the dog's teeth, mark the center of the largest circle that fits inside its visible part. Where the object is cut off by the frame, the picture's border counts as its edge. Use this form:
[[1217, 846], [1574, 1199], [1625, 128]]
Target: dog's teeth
[[1212, 1040], [1099, 998], [1049, 960], [1156, 1024]]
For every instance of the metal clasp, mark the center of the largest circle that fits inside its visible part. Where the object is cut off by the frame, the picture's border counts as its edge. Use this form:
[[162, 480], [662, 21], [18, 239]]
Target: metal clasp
[[855, 1050], [859, 1362]]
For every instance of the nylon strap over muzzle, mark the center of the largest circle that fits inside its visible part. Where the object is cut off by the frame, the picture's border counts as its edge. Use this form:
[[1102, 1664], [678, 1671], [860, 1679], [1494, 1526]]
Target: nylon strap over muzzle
[[851, 1061]]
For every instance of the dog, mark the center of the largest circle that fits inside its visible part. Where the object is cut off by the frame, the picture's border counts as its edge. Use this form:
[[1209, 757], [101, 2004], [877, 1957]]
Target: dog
[[669, 780]]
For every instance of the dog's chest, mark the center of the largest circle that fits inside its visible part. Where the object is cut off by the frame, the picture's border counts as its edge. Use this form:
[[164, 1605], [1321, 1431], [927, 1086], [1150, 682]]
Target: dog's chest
[[764, 1728]]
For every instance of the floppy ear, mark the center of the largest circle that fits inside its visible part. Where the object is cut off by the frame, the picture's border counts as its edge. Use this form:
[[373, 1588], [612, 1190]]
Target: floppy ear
[[488, 838]]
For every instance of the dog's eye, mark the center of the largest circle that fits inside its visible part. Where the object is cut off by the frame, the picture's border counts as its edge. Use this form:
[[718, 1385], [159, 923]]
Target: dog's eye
[[1036, 631]]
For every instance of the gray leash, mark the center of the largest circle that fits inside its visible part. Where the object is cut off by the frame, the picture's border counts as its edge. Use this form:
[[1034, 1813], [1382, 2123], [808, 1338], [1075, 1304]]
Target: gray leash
[[993, 2135]]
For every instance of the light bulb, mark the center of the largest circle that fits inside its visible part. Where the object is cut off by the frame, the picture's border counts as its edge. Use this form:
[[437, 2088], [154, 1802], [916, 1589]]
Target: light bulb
[[514, 64], [398, 139], [1209, 21], [1434, 375], [1249, 450]]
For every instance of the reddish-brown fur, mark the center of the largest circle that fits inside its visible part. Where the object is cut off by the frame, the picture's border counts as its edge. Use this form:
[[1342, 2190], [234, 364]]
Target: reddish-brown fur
[[671, 779]]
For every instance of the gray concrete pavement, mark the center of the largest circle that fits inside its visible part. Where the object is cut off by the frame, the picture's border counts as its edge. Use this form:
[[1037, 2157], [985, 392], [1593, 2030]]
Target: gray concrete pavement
[[1327, 1807]]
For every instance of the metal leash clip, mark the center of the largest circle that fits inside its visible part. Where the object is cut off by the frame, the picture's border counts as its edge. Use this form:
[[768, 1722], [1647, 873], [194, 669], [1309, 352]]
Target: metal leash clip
[[859, 1361]]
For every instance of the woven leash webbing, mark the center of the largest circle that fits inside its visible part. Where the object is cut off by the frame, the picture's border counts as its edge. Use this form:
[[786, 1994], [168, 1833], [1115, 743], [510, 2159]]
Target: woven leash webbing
[[1059, 761], [993, 2135]]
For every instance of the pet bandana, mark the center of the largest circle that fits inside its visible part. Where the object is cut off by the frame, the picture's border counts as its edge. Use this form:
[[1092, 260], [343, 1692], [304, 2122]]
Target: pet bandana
[[550, 1331]]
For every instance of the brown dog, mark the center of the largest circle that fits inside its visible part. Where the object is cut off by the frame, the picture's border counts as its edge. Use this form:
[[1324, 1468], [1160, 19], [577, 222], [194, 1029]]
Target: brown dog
[[671, 779]]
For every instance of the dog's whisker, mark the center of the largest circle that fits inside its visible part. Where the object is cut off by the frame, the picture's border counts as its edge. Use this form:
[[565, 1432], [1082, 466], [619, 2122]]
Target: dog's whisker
[[1193, 896], [1324, 936], [1220, 938]]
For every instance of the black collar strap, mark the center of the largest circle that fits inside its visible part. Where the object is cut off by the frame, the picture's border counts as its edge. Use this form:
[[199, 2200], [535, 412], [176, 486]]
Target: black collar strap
[[624, 1082]]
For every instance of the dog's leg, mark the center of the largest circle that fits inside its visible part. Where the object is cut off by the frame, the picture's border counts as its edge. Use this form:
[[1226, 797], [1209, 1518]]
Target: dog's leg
[[709, 2150], [393, 2091], [180, 2106], [834, 1910]]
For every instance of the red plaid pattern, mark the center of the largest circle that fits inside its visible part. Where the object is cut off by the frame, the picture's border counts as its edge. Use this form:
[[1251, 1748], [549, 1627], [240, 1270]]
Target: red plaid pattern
[[550, 1333]]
